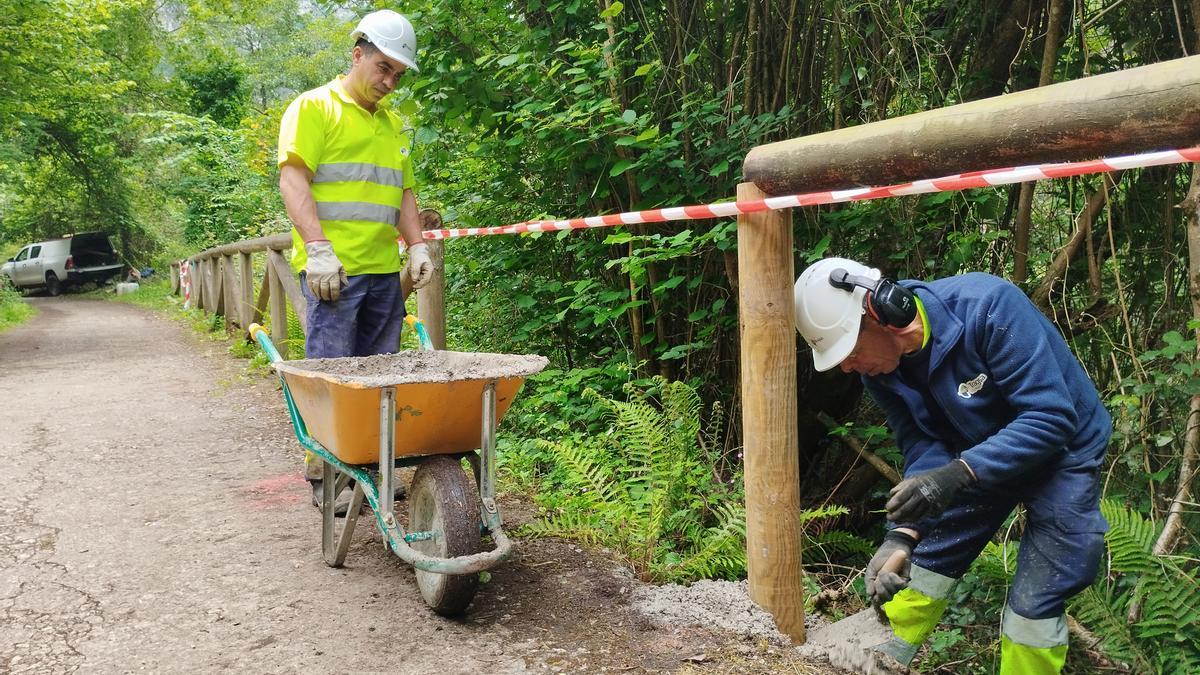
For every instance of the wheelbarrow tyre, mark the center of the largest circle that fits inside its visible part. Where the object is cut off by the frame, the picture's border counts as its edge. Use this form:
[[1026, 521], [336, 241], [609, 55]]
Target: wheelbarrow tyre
[[444, 500]]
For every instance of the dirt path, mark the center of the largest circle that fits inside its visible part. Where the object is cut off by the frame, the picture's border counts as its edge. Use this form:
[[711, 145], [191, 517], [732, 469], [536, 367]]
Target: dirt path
[[153, 518]]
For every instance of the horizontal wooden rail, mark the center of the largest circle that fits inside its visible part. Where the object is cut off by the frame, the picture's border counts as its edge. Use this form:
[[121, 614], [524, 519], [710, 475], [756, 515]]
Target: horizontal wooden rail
[[223, 280], [1155, 107]]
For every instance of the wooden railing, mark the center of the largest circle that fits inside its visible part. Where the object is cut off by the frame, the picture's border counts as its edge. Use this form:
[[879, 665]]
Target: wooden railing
[[224, 278]]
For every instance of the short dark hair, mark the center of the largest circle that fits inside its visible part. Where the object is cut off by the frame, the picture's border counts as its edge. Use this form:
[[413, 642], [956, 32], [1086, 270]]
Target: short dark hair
[[366, 46]]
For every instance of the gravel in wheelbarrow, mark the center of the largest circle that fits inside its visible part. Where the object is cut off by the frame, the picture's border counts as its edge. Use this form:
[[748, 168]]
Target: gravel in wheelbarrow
[[410, 367]]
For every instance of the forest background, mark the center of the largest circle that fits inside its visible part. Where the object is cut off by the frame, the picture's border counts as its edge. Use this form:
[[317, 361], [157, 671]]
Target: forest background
[[157, 122]]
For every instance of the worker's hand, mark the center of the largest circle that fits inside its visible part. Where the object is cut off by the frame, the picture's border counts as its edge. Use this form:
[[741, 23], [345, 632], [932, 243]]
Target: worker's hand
[[883, 580], [928, 494], [324, 272], [420, 267]]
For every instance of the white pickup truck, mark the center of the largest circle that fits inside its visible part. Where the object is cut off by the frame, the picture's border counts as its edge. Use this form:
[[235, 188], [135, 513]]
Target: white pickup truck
[[57, 263]]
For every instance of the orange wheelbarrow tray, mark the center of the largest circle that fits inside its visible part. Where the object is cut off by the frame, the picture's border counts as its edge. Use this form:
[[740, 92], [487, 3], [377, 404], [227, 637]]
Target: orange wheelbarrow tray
[[428, 409]]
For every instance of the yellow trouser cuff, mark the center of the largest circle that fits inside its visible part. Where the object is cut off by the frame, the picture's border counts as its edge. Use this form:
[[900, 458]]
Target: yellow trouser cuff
[[1019, 659], [914, 615]]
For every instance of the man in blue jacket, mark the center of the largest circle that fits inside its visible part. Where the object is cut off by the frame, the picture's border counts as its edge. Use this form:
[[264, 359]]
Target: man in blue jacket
[[991, 410]]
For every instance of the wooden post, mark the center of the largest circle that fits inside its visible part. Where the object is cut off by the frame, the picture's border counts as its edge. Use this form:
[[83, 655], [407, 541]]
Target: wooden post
[[174, 278], [194, 275], [220, 287], [246, 301], [264, 295], [213, 293], [291, 287], [277, 305], [431, 300], [1155, 107], [770, 438], [229, 297]]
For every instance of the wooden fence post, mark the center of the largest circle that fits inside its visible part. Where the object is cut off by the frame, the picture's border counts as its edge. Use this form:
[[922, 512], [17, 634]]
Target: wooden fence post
[[246, 286], [277, 305], [771, 447], [194, 277], [431, 300], [229, 293]]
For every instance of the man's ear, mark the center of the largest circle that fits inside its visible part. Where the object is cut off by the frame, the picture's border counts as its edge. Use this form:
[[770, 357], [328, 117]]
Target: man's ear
[[356, 55]]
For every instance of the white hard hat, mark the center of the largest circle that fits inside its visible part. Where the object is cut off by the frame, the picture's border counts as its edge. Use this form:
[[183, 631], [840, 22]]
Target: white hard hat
[[828, 317], [392, 34]]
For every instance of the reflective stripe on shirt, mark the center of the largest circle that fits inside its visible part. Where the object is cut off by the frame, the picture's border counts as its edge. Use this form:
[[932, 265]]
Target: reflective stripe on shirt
[[376, 213], [359, 171]]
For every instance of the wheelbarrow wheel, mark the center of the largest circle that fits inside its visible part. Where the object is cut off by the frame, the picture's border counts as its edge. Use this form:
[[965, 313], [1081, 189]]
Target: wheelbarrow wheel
[[444, 501]]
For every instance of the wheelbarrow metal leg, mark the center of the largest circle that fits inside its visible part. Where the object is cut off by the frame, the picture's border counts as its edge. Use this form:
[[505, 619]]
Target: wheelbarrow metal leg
[[387, 455], [487, 448], [332, 484]]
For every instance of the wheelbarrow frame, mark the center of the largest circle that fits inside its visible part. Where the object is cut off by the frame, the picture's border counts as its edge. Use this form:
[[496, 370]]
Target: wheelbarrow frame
[[376, 486]]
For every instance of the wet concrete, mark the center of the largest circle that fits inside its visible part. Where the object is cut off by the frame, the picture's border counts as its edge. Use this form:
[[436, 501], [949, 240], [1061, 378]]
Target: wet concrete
[[408, 367]]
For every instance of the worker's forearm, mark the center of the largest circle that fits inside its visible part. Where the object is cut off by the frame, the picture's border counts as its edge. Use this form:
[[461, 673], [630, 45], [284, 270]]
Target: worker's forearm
[[409, 223], [298, 200]]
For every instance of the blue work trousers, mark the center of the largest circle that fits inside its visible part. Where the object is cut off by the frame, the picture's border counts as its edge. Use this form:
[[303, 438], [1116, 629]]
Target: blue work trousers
[[366, 319], [1061, 546]]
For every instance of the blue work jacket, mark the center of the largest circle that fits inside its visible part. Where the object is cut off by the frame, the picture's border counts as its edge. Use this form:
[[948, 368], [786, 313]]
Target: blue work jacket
[[1004, 392]]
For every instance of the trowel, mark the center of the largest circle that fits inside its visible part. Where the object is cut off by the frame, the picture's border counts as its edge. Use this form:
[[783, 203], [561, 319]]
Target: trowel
[[851, 642]]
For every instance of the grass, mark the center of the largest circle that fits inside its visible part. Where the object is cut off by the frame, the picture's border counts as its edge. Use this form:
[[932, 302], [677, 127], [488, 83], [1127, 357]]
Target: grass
[[13, 310]]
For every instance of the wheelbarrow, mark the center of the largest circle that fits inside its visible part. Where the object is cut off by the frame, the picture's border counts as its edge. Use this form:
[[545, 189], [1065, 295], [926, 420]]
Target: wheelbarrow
[[428, 409]]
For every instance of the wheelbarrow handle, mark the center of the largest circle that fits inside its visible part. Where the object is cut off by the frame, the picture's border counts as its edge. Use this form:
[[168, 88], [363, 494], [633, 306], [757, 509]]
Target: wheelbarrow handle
[[260, 335], [422, 335]]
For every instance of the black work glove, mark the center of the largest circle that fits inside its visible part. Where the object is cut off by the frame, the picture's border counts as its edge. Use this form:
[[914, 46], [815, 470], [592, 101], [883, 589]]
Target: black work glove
[[928, 495], [883, 584]]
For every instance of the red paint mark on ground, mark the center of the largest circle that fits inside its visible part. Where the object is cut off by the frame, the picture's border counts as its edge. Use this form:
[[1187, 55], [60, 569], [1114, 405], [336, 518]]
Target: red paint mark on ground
[[278, 491]]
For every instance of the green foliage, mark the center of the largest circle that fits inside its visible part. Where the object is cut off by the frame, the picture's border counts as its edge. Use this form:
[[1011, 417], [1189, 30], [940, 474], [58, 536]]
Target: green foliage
[[1165, 635], [647, 488], [204, 166], [13, 310], [652, 488]]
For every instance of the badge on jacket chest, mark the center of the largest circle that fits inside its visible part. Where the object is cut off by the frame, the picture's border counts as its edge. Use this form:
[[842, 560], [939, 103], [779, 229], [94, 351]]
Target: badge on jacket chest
[[972, 386]]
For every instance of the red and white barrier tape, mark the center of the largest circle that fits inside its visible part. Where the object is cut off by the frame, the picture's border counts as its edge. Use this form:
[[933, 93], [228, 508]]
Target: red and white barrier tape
[[962, 181]]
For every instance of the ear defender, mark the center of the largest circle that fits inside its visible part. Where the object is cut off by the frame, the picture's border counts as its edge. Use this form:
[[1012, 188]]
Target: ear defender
[[886, 301]]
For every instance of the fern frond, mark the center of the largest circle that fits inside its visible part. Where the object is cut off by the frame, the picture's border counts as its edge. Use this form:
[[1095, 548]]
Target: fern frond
[[582, 471], [837, 543], [568, 525], [724, 547], [1130, 539], [822, 512], [1105, 616]]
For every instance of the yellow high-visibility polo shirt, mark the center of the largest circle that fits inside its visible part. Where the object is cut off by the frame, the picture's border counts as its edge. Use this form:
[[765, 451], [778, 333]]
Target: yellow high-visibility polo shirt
[[360, 168]]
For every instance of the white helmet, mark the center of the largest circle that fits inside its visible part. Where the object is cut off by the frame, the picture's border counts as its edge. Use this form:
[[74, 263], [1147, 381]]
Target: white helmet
[[392, 34], [828, 317]]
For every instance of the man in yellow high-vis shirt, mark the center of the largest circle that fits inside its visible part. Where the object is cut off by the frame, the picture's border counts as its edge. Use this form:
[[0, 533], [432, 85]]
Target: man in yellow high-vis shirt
[[347, 183]]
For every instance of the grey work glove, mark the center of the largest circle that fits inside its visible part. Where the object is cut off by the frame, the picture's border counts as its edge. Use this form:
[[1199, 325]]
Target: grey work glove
[[324, 272], [928, 495], [883, 580], [420, 267]]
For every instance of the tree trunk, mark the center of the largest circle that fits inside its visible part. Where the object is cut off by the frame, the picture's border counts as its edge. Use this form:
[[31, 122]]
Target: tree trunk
[[1191, 443], [1025, 202], [1083, 227]]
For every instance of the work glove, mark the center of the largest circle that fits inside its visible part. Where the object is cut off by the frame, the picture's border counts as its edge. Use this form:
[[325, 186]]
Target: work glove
[[420, 267], [883, 580], [324, 272], [928, 495]]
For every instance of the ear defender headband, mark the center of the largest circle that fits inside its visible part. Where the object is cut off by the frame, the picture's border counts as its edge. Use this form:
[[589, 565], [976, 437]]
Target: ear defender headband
[[886, 301]]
